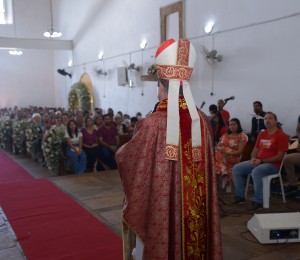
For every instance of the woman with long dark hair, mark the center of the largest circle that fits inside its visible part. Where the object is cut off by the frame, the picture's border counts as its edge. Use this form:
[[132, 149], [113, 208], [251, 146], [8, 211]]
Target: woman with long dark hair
[[217, 123], [90, 144], [74, 147]]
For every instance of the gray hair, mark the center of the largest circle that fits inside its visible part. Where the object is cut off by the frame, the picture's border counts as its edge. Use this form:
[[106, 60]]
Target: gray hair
[[271, 113], [165, 83], [36, 115]]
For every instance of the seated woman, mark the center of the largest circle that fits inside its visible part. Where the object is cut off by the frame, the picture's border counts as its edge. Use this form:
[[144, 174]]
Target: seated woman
[[217, 123], [122, 128], [229, 150], [74, 147], [133, 122], [65, 119], [126, 120], [59, 124], [98, 121], [37, 143], [90, 144], [219, 128]]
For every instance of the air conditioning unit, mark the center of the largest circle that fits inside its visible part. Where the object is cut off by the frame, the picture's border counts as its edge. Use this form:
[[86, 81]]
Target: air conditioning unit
[[275, 228]]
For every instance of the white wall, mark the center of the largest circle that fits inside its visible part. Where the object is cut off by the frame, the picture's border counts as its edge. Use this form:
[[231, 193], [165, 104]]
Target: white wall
[[26, 79], [62, 84], [118, 29], [260, 61]]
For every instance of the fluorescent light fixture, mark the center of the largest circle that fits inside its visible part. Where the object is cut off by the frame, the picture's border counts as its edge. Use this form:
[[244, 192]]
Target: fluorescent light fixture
[[209, 27], [100, 55], [15, 52], [70, 63], [143, 44]]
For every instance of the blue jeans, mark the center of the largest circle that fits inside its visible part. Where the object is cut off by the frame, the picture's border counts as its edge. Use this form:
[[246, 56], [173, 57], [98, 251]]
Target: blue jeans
[[91, 157], [240, 172], [107, 156], [78, 162]]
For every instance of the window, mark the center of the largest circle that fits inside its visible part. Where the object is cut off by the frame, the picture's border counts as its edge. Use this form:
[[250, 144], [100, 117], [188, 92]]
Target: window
[[6, 12]]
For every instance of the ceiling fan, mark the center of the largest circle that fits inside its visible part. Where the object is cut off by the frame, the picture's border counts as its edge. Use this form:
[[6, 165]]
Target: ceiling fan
[[100, 72], [211, 56], [133, 67]]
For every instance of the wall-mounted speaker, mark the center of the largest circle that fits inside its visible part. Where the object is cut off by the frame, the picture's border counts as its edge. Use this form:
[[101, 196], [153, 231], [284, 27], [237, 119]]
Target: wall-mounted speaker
[[122, 76]]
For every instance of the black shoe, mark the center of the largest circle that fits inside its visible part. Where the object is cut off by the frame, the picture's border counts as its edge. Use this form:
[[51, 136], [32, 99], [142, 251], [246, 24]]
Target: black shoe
[[290, 188], [256, 206], [238, 200]]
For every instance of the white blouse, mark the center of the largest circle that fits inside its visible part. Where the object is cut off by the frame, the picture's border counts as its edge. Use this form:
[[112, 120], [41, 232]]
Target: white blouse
[[75, 139]]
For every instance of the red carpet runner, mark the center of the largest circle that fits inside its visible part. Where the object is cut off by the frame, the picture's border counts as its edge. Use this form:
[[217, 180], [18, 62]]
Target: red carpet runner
[[11, 171], [48, 223]]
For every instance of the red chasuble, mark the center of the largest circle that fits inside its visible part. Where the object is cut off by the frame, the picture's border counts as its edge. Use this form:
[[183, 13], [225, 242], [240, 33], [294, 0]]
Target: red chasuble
[[172, 206]]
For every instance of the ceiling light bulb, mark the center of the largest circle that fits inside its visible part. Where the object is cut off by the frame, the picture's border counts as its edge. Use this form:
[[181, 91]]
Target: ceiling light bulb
[[100, 55], [209, 27], [15, 52], [47, 34], [143, 44], [52, 33]]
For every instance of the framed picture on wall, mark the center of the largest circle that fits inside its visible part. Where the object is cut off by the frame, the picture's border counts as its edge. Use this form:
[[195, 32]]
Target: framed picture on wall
[[171, 21]]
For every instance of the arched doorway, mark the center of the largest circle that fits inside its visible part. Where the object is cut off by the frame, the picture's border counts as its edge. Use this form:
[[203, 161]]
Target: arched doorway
[[85, 79]]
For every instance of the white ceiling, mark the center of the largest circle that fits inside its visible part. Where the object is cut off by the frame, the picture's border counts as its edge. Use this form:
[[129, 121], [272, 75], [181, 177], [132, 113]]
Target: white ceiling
[[32, 18]]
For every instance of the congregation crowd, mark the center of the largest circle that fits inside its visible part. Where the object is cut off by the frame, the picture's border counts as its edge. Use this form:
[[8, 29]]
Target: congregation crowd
[[89, 141], [269, 148]]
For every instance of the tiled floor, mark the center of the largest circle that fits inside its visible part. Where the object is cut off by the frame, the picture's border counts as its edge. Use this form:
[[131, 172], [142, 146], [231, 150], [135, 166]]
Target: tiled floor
[[9, 247], [102, 195]]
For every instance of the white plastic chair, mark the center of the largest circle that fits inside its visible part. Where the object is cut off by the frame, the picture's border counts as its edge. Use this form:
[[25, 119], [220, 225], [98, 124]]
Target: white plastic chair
[[267, 186]]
